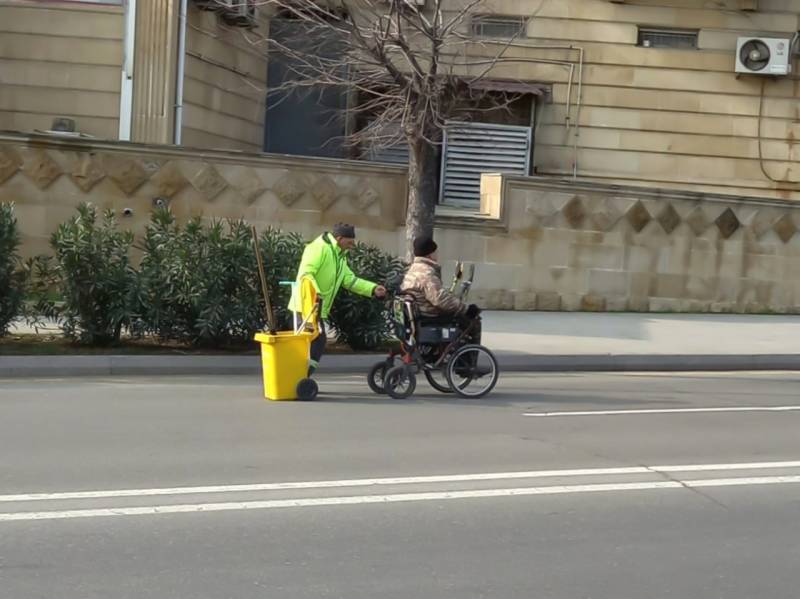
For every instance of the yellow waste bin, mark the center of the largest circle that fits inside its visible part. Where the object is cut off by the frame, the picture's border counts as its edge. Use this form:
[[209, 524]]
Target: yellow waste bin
[[285, 354]]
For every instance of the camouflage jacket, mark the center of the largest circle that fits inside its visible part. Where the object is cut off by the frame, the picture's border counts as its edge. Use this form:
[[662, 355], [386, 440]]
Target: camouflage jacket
[[423, 282]]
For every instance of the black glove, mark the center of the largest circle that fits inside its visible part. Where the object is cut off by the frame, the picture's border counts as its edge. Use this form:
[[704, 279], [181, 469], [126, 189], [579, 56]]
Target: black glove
[[473, 311]]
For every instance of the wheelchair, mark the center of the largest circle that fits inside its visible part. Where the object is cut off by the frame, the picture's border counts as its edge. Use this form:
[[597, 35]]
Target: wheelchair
[[440, 350]]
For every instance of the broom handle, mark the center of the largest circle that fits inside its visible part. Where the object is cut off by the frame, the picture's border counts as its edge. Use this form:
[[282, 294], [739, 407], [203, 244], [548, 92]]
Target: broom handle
[[263, 278]]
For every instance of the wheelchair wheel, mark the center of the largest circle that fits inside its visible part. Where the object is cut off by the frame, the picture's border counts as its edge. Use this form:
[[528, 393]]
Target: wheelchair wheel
[[400, 382], [377, 376], [440, 386], [472, 371]]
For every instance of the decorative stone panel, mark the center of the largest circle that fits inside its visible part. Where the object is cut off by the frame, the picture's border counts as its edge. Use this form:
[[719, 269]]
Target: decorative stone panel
[[785, 227], [574, 212], [697, 221], [324, 192], [40, 168], [209, 182], [365, 198], [669, 219], [638, 216], [10, 163], [290, 188], [127, 173], [605, 217], [86, 171], [169, 180], [727, 223]]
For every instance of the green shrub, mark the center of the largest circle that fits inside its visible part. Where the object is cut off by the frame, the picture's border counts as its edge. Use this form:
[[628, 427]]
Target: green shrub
[[363, 323], [12, 276], [95, 278], [198, 283]]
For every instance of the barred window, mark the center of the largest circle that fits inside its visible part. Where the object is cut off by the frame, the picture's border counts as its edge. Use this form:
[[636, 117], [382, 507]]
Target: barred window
[[501, 26], [682, 39]]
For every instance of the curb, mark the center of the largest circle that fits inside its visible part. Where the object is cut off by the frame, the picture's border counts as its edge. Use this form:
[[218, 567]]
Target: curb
[[160, 365]]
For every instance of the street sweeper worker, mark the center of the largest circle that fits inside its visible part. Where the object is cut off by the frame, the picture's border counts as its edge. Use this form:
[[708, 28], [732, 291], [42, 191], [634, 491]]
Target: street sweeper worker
[[325, 263]]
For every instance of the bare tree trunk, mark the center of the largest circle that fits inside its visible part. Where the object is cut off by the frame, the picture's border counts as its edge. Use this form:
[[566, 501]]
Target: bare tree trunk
[[422, 173]]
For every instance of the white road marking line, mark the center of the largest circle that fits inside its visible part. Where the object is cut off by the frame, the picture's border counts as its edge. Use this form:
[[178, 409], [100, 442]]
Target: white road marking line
[[666, 411], [404, 480], [323, 484], [400, 497]]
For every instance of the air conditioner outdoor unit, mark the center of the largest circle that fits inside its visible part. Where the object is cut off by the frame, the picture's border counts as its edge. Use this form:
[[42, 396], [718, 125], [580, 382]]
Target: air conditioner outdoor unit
[[764, 56]]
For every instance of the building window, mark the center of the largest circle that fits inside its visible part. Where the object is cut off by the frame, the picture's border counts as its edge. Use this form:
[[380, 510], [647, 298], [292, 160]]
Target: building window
[[498, 26], [681, 39]]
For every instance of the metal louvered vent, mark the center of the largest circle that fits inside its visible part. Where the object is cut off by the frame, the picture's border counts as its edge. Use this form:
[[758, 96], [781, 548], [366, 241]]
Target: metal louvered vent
[[471, 149], [682, 39]]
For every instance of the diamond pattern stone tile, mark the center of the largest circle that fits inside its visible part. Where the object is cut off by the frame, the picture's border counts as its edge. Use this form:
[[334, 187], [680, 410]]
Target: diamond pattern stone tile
[[605, 217], [40, 168], [785, 227], [540, 211], [86, 171], [638, 216], [209, 182], [697, 221], [10, 163], [365, 198], [727, 223], [127, 174], [669, 219], [290, 188], [324, 192], [574, 212], [250, 186], [169, 180]]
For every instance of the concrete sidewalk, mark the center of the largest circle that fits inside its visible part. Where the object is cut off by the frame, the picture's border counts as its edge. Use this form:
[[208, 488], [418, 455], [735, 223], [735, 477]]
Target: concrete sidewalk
[[522, 341]]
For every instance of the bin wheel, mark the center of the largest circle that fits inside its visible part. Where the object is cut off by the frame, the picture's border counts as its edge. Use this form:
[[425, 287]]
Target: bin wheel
[[377, 376], [307, 389], [400, 382]]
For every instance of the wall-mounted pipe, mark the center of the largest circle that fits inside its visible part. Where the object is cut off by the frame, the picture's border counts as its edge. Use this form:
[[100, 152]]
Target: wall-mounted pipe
[[126, 84], [579, 99], [180, 74]]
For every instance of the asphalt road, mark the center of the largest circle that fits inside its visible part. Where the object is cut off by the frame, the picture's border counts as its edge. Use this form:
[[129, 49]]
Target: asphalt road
[[556, 486]]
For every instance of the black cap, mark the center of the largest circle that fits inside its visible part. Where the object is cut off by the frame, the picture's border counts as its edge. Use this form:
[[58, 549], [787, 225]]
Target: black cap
[[344, 230], [424, 246]]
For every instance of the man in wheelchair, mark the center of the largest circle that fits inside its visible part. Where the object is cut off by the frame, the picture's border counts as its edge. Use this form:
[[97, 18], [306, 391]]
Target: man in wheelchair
[[437, 305]]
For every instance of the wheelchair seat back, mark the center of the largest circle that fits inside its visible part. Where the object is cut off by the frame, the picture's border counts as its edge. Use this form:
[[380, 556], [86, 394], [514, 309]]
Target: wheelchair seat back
[[404, 318]]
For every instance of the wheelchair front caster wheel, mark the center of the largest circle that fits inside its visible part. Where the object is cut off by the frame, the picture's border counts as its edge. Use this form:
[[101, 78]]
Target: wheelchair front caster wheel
[[377, 376], [400, 382], [307, 389]]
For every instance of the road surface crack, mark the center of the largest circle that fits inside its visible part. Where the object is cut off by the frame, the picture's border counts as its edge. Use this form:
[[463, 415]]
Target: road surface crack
[[695, 490]]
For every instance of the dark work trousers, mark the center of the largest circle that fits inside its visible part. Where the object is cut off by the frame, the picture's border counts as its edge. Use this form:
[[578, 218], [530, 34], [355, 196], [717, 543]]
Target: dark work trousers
[[317, 346]]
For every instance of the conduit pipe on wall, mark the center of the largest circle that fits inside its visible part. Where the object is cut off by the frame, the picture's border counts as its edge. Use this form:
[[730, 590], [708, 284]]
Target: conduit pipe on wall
[[126, 84], [579, 101], [180, 74]]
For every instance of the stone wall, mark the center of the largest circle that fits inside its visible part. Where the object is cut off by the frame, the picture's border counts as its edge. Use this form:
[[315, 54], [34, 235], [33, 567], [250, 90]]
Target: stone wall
[[579, 246], [48, 177], [538, 243]]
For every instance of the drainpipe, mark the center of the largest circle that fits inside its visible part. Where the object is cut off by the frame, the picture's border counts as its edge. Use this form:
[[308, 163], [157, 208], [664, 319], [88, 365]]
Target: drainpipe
[[180, 74], [126, 86]]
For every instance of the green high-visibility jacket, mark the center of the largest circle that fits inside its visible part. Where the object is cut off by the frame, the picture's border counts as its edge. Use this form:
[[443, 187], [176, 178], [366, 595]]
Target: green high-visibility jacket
[[325, 264]]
